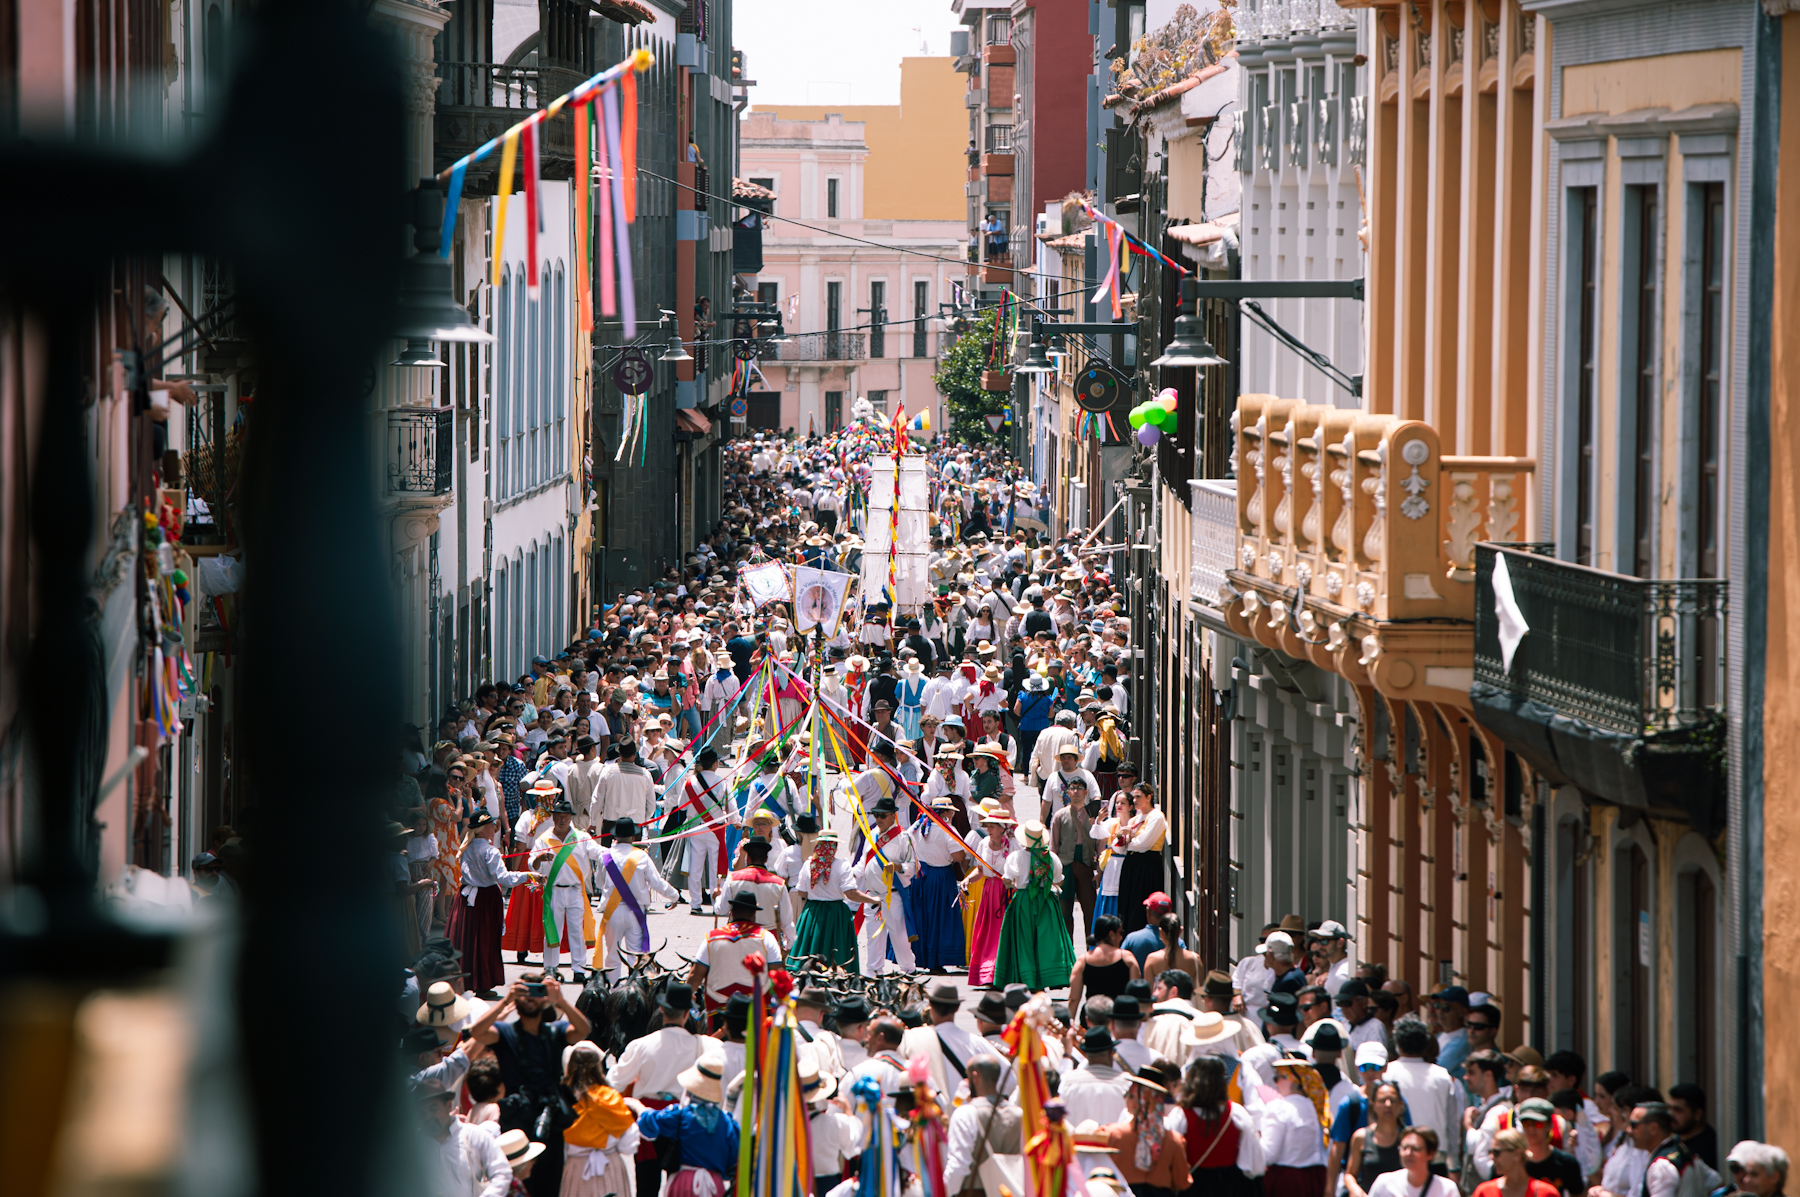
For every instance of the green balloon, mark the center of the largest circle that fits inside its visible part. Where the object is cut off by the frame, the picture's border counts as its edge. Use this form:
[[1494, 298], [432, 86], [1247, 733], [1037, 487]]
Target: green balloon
[[1136, 418], [1155, 415]]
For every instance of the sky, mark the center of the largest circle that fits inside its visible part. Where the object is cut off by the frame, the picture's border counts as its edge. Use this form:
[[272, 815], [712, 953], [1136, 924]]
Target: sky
[[836, 51]]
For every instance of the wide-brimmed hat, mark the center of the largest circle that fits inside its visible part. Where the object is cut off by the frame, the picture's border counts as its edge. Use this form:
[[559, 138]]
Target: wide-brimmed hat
[[518, 1148], [1207, 1027], [992, 1008], [1033, 832], [944, 995], [1037, 683], [1146, 1079], [443, 1006], [705, 1079]]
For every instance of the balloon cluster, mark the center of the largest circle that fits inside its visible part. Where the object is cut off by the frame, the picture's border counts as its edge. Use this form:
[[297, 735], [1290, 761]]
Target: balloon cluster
[[1154, 418]]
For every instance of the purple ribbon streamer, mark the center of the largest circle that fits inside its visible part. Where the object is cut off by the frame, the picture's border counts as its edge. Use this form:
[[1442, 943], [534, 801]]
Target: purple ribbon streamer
[[621, 231]]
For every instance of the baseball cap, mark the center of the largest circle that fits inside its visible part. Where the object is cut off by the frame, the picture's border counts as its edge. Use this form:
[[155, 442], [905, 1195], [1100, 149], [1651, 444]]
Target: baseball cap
[[1331, 929], [1372, 1054], [1158, 900], [1535, 1109], [1455, 994]]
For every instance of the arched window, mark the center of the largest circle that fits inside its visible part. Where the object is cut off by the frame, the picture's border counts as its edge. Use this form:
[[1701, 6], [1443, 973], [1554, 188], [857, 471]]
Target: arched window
[[547, 371], [564, 368], [534, 373], [515, 650], [502, 663], [1698, 984], [502, 435], [533, 598], [1572, 943], [559, 612], [1634, 960]]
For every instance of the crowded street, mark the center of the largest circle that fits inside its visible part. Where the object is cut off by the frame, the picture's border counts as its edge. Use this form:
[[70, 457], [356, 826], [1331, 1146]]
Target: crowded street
[[793, 598]]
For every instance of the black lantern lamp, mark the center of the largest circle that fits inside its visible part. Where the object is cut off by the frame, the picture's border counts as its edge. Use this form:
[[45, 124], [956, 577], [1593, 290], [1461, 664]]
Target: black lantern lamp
[[1036, 360], [427, 310], [1189, 346]]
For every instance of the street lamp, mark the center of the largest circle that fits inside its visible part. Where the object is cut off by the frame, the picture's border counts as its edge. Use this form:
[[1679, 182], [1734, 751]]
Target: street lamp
[[1036, 360], [418, 352], [427, 310], [675, 353], [1189, 346]]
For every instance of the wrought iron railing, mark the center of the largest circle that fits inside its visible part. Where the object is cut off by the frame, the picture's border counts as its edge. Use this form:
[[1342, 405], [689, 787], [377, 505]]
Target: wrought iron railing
[[421, 451], [1214, 532], [824, 347], [701, 190], [1633, 655], [487, 85], [999, 139]]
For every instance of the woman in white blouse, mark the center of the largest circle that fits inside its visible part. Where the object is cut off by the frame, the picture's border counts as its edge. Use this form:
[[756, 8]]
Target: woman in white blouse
[[1293, 1141], [1140, 838]]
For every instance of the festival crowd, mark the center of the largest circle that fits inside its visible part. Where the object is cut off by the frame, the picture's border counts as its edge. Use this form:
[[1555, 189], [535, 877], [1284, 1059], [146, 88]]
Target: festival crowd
[[894, 800]]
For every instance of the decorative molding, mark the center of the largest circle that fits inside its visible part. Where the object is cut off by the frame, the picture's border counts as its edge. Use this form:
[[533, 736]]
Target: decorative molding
[[1464, 526]]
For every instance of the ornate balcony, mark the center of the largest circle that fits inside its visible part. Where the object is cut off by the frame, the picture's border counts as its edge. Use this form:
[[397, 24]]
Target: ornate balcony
[[478, 101], [824, 347], [1616, 685], [421, 451], [1356, 543]]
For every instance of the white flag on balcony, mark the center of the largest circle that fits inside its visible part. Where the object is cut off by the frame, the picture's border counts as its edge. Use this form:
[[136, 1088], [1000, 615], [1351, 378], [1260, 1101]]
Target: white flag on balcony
[[1512, 621]]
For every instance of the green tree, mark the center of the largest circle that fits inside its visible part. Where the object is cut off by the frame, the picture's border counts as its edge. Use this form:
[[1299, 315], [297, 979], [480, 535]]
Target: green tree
[[958, 379]]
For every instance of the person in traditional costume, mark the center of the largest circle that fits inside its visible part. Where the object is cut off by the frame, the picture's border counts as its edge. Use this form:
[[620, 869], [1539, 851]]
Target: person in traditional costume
[[1147, 1155], [824, 929], [627, 878], [885, 930], [1111, 862], [931, 914], [911, 693], [703, 799], [600, 1146], [1224, 1150], [985, 894], [1035, 948], [567, 859], [773, 910], [789, 859], [719, 972], [1141, 840], [475, 921], [525, 911], [704, 1132], [948, 779], [649, 1068]]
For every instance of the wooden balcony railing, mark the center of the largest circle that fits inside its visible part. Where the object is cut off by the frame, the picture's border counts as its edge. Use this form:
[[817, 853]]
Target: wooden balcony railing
[[1361, 512]]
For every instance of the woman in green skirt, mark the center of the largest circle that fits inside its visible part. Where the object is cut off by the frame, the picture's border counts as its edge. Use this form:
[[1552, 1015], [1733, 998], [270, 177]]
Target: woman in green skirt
[[824, 929], [1035, 948]]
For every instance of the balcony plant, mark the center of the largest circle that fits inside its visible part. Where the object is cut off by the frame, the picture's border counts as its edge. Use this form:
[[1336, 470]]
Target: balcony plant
[[962, 377], [1163, 58]]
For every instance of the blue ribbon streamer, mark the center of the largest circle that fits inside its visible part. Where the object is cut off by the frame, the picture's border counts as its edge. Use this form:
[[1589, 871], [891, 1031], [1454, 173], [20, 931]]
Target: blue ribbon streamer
[[450, 202]]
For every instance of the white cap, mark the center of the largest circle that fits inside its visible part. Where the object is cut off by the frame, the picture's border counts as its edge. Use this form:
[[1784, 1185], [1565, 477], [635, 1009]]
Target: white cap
[[1331, 929], [1279, 939], [1371, 1054]]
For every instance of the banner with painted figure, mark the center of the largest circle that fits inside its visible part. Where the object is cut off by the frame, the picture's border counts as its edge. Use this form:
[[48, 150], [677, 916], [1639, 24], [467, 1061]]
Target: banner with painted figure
[[768, 583], [819, 599]]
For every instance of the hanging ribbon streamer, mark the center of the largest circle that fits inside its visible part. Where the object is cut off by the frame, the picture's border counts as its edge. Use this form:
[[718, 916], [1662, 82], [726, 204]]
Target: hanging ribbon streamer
[[528, 142], [584, 220], [1141, 246], [451, 200], [628, 143], [621, 224], [508, 159], [609, 300]]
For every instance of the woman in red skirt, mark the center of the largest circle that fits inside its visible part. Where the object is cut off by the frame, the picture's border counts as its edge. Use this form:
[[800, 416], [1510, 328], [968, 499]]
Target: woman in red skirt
[[475, 921], [985, 893]]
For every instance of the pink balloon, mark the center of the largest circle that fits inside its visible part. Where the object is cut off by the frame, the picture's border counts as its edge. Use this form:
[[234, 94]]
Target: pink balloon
[[1149, 434]]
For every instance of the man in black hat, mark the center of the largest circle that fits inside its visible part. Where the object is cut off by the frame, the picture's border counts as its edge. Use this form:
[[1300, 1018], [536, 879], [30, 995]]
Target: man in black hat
[[851, 1018], [773, 910], [703, 797], [1127, 1019], [627, 878], [650, 1065], [567, 859], [1093, 1089], [1281, 1023], [948, 1048], [886, 926], [718, 971]]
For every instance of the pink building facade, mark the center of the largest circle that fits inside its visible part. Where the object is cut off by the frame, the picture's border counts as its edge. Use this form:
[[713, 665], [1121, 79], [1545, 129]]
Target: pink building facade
[[861, 315]]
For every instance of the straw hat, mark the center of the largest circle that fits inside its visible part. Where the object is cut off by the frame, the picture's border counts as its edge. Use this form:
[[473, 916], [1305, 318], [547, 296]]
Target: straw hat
[[1209, 1027], [519, 1149], [703, 1080], [1033, 834], [443, 1007]]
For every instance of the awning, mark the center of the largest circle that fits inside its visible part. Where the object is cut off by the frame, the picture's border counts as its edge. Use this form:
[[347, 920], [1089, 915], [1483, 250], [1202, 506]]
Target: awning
[[1197, 234], [689, 420]]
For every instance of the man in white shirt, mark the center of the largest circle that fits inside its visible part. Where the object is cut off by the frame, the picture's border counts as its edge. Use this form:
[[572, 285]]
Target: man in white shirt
[[886, 925], [1068, 771], [582, 781], [1050, 744], [627, 878], [984, 1139], [625, 789], [1433, 1097], [1331, 948], [1674, 1170], [1358, 1013], [1096, 1089], [1127, 1021], [1215, 996], [651, 1062], [948, 1048], [718, 971], [566, 886], [466, 1161]]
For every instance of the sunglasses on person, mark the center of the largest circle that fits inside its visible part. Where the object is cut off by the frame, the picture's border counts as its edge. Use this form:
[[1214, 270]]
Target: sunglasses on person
[[1481, 1025]]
